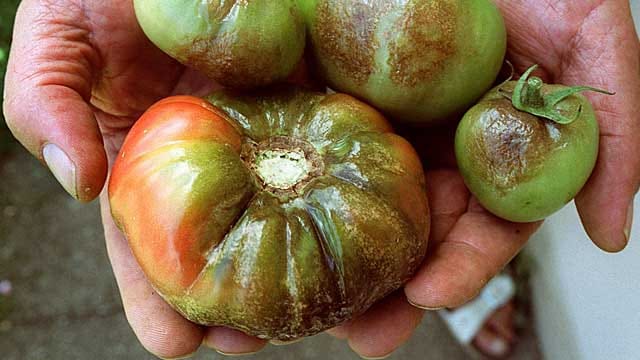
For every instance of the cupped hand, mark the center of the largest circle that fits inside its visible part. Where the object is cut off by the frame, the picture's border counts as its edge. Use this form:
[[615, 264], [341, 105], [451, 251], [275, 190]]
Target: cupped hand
[[591, 42], [80, 73]]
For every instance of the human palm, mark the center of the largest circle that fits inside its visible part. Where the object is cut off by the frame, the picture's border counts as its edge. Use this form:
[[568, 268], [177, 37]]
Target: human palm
[[81, 73], [591, 42]]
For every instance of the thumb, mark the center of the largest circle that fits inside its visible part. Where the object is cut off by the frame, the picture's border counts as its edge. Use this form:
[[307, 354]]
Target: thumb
[[48, 85]]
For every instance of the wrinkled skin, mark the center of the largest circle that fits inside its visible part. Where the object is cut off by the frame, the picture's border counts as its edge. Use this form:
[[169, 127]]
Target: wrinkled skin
[[79, 75], [243, 44], [522, 167], [411, 58], [276, 260]]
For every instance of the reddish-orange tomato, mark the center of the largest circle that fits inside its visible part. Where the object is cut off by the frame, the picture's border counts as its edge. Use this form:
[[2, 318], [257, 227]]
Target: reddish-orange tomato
[[280, 214], [170, 132]]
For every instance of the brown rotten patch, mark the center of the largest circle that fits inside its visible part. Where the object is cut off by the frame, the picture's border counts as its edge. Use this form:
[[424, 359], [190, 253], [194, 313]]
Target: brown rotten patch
[[427, 40], [346, 35], [513, 145]]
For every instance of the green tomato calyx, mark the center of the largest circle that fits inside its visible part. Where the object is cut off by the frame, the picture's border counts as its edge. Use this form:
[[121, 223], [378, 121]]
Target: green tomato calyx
[[527, 96]]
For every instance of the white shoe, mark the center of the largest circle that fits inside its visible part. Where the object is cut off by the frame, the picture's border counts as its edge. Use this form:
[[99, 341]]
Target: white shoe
[[467, 320]]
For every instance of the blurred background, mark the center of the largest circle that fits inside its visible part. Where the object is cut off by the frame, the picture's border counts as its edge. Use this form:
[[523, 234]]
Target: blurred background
[[59, 300]]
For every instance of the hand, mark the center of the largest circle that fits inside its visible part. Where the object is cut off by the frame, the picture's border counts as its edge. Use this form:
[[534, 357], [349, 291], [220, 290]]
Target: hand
[[591, 42], [79, 75]]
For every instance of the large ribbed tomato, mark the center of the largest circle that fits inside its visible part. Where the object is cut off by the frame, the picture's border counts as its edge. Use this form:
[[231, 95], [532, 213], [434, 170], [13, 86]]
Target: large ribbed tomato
[[280, 215]]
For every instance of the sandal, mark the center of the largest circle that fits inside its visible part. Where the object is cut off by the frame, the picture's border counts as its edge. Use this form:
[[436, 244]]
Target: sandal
[[467, 323]]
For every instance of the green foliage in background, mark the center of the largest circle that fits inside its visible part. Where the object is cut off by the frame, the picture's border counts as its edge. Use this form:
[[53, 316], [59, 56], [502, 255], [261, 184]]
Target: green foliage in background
[[7, 15]]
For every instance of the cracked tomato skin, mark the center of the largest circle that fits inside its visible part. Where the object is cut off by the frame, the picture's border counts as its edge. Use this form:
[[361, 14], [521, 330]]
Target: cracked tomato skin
[[225, 249], [238, 43], [419, 61]]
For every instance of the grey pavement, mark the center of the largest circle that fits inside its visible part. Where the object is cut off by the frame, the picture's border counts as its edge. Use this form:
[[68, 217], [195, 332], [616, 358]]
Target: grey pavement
[[64, 302]]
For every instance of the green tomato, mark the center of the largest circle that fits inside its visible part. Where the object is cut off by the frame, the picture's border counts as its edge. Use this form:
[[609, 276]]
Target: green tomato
[[524, 158], [419, 61], [242, 44]]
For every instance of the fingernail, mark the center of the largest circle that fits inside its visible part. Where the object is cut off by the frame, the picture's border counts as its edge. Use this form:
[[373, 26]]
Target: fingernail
[[375, 358], [235, 354], [62, 168], [423, 307], [629, 223], [498, 347]]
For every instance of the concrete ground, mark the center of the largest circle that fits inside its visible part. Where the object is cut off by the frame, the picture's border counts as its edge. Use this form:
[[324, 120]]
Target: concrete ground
[[64, 303]]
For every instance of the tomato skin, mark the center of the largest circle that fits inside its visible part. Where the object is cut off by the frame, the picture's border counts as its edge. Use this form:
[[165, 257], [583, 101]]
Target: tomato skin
[[421, 61], [521, 167], [240, 44], [135, 193], [225, 248]]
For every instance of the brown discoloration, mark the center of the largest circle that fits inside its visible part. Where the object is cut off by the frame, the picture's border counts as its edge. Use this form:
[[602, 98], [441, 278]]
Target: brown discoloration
[[234, 63], [512, 145], [241, 57], [346, 35], [427, 40]]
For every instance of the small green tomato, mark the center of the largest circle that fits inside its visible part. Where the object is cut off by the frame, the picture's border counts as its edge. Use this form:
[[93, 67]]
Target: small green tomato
[[527, 148], [240, 44]]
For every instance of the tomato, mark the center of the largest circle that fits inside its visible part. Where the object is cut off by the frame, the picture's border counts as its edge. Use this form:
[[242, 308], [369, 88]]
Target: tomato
[[280, 214], [242, 44], [419, 61], [524, 158]]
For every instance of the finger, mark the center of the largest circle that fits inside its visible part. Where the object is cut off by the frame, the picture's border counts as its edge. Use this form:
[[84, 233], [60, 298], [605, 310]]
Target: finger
[[605, 204], [48, 84], [232, 342], [160, 329], [474, 251], [608, 58], [384, 327], [448, 198], [340, 332]]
